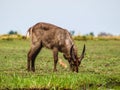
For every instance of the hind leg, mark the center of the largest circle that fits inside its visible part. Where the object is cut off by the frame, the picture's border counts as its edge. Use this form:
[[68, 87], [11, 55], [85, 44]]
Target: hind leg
[[35, 49], [55, 55], [28, 61]]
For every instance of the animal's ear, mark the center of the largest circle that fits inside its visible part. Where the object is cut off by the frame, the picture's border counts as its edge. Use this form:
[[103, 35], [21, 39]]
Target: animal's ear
[[82, 55], [72, 53]]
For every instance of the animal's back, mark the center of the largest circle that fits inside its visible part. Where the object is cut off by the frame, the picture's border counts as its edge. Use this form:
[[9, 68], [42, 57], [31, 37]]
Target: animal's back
[[51, 35]]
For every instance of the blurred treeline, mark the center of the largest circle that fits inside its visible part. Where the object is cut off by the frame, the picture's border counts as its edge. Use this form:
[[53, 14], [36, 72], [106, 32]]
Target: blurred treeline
[[12, 35]]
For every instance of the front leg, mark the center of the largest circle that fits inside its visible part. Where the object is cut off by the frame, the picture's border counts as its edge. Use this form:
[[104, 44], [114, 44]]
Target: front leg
[[55, 55]]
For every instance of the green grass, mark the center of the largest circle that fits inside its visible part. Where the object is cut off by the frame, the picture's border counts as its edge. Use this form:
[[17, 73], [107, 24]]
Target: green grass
[[100, 68]]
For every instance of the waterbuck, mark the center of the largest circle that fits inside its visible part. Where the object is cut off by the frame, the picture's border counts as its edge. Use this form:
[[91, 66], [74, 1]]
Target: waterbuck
[[55, 38]]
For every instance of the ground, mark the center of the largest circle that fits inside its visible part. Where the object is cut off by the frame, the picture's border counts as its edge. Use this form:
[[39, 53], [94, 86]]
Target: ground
[[100, 69]]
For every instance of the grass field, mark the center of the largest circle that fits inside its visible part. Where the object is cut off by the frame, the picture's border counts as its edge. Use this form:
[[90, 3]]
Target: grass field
[[100, 68]]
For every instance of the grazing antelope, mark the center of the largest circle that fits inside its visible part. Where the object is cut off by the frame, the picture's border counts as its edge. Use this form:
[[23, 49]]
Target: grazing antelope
[[55, 38]]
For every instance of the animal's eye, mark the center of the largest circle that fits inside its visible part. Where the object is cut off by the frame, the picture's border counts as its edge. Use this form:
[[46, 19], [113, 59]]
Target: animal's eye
[[79, 63]]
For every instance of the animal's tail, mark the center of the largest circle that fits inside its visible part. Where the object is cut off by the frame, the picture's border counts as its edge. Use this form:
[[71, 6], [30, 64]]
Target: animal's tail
[[29, 33]]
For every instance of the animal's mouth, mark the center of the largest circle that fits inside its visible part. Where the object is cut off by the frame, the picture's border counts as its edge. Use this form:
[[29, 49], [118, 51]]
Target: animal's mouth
[[74, 69]]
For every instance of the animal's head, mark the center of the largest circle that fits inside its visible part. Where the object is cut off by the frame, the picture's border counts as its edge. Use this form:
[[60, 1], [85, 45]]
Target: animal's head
[[74, 60]]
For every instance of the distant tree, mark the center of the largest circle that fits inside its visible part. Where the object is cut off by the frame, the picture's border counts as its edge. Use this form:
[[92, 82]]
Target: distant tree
[[91, 34], [104, 34], [72, 32], [12, 32]]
